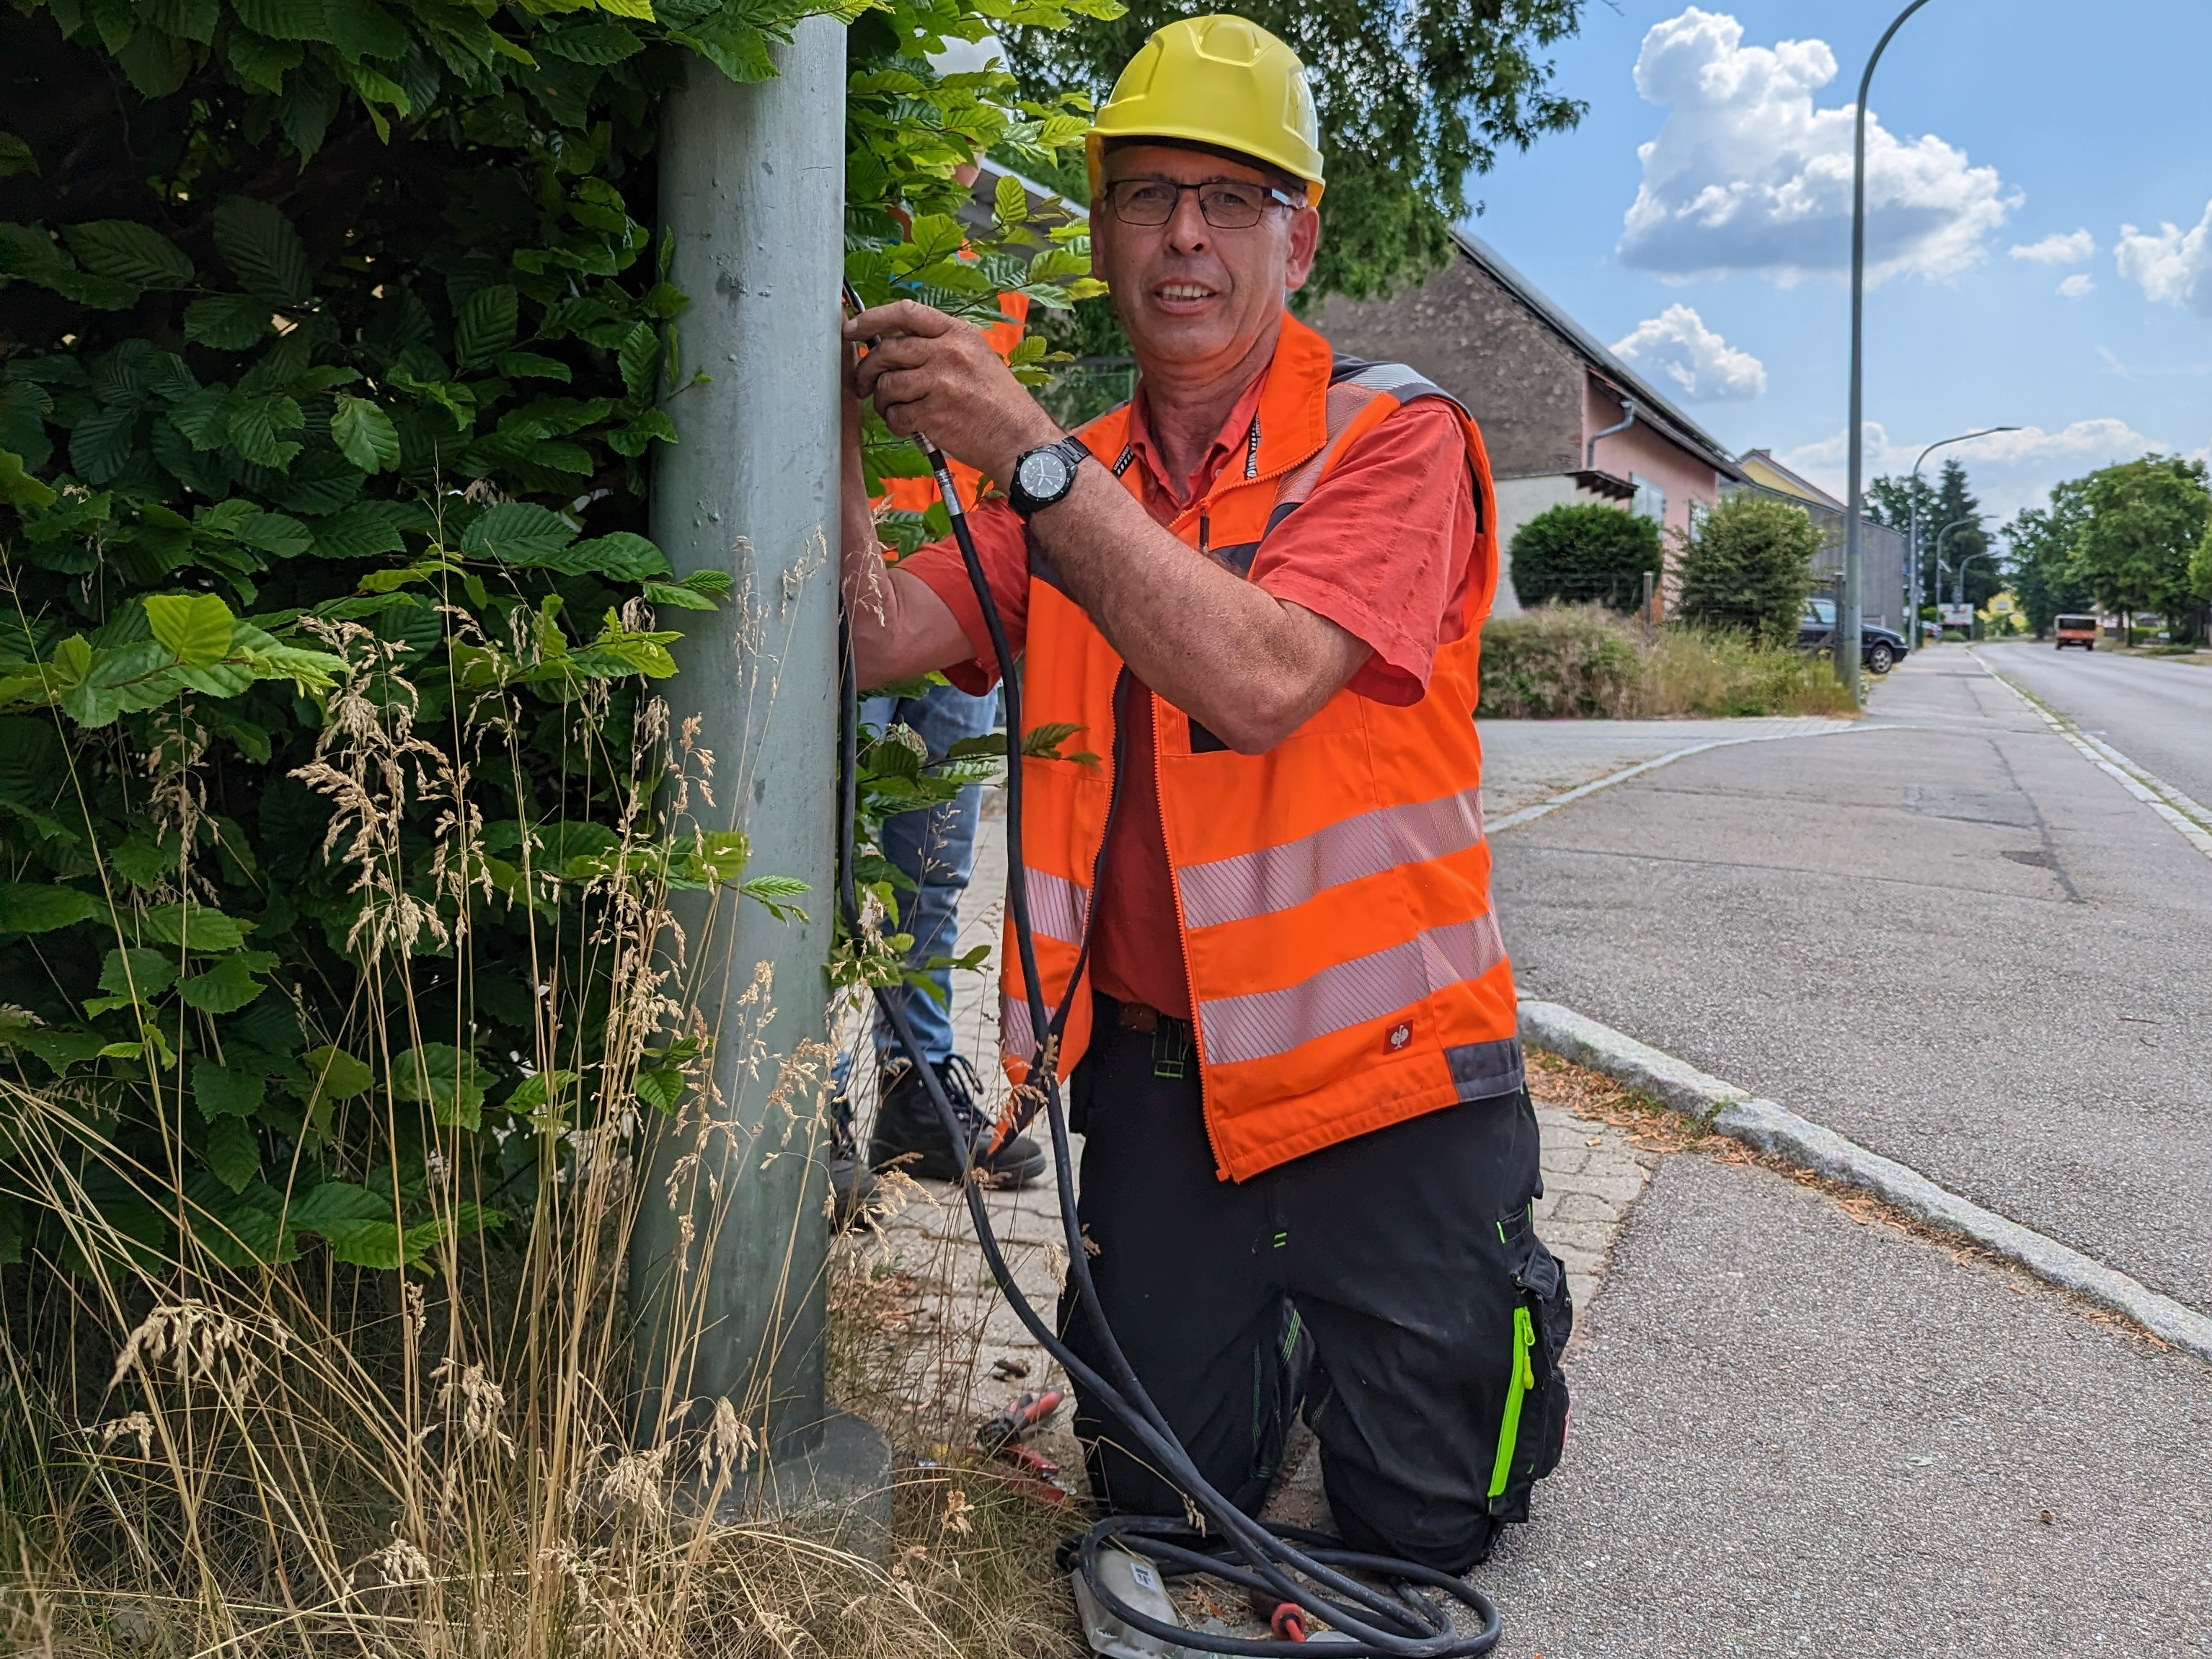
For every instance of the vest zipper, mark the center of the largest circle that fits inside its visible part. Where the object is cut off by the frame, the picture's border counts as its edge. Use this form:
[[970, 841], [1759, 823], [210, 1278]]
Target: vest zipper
[[1201, 532], [1122, 681]]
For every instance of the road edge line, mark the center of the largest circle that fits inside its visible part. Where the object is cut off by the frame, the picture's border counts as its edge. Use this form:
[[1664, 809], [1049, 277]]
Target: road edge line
[[1569, 797], [1724, 1109], [2189, 817]]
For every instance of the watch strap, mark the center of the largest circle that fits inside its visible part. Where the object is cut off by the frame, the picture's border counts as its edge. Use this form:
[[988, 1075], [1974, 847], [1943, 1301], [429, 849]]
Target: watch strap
[[1070, 449]]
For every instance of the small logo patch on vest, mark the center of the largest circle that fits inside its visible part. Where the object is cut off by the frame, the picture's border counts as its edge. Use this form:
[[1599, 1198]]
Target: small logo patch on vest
[[1398, 1036]]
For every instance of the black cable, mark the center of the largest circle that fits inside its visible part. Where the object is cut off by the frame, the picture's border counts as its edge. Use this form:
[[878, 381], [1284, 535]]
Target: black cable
[[1402, 1623]]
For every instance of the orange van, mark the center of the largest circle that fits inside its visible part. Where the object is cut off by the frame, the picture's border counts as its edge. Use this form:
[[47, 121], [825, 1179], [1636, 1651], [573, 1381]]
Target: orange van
[[2076, 630]]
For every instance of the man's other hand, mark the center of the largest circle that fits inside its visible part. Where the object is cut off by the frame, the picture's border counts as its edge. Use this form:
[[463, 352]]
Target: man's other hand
[[934, 374]]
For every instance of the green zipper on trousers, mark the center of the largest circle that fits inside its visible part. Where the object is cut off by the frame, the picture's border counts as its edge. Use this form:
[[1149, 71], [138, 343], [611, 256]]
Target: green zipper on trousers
[[1516, 1390]]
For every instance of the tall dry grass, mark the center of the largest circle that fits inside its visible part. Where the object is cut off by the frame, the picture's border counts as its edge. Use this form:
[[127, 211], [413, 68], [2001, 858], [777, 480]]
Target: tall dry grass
[[210, 1463], [1583, 661]]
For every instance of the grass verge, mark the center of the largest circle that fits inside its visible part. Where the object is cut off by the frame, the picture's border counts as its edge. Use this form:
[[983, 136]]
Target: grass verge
[[1586, 662]]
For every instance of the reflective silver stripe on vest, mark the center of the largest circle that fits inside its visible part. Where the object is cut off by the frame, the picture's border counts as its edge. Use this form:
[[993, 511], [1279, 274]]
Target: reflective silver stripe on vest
[[1276, 877], [1058, 908], [1401, 382], [1268, 1023], [1017, 1037]]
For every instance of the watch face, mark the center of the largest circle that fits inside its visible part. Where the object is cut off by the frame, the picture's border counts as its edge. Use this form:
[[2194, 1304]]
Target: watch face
[[1043, 474]]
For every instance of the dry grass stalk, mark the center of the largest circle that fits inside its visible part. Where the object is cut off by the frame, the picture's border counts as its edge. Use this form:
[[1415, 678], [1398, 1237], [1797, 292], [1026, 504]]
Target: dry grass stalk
[[225, 1464]]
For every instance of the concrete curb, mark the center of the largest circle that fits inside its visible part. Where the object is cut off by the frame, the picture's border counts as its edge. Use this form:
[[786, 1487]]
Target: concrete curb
[[1729, 1110], [1675, 1084]]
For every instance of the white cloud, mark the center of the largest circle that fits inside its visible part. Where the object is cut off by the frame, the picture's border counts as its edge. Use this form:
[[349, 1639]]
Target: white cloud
[[2171, 264], [1677, 346], [1746, 174], [2059, 248], [2007, 470], [2077, 286]]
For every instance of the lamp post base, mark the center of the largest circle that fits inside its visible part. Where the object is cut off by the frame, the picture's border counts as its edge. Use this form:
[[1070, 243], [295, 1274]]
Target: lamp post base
[[839, 1490]]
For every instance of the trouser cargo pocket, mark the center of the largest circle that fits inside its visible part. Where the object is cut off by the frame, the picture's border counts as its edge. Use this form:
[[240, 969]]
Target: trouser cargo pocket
[[1532, 1429]]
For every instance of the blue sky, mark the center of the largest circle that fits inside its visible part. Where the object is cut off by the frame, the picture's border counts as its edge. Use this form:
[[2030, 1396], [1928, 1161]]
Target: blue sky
[[2003, 124]]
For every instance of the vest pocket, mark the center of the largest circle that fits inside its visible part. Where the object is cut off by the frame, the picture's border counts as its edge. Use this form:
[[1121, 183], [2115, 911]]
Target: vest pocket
[[1532, 1429]]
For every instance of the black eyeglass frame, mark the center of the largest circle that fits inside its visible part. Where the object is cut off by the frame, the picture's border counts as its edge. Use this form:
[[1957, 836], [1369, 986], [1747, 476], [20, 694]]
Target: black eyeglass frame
[[1275, 198]]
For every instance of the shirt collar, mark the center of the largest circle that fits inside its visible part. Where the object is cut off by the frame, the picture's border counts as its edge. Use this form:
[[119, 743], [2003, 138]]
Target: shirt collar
[[1235, 439]]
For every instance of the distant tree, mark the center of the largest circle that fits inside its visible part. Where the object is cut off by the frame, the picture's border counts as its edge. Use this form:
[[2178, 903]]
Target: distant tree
[[1585, 550], [2042, 540], [1889, 501], [1955, 501], [1413, 102], [2145, 519], [1748, 565], [2200, 568]]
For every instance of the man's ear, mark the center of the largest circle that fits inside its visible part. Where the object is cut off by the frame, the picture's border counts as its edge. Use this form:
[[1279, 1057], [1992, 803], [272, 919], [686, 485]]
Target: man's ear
[[1305, 244]]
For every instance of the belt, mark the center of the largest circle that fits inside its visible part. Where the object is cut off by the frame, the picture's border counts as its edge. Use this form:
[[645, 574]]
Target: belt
[[1142, 1017], [1173, 1050]]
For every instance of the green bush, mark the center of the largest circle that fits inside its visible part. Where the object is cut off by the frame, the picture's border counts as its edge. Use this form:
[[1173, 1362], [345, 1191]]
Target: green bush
[[1582, 551], [1749, 566], [1559, 661], [1583, 661], [337, 336], [340, 818]]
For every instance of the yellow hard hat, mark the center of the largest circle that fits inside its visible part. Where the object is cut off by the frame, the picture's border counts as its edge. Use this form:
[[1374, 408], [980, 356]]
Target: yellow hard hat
[[1222, 81]]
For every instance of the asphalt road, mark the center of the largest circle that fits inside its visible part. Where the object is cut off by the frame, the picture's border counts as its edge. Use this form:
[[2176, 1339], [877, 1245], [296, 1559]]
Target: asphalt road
[[1945, 934], [2159, 714], [1796, 1434]]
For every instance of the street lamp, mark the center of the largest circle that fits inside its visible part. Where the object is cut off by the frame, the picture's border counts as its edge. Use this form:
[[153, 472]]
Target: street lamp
[[1959, 580], [1959, 573], [1942, 536], [1847, 613], [1912, 536]]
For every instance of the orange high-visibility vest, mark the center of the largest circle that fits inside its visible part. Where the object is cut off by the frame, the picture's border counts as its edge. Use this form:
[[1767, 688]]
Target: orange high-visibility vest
[[1332, 894]]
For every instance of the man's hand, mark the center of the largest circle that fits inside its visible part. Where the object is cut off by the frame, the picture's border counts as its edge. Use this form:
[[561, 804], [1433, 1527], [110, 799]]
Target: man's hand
[[900, 628], [935, 374]]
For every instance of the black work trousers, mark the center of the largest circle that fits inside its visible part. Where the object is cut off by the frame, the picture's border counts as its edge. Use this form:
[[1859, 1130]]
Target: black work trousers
[[1373, 1284]]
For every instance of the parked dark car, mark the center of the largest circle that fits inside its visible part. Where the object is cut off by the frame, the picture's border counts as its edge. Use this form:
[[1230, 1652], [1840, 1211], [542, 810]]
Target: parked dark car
[[1879, 648]]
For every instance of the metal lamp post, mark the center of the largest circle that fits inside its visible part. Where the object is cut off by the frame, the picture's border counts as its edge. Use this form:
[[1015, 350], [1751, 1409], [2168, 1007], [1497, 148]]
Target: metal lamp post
[[1959, 573], [1847, 616], [1959, 578], [727, 1260], [1912, 535], [1942, 536]]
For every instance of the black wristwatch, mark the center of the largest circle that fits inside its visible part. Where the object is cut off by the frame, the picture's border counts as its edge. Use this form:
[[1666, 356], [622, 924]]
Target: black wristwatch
[[1043, 475]]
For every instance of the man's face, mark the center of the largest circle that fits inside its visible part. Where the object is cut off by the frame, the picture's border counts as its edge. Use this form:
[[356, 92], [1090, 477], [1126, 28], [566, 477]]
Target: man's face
[[1189, 292]]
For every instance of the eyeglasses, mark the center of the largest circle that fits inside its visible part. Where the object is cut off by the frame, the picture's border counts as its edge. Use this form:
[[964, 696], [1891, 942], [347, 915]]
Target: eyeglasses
[[1225, 204]]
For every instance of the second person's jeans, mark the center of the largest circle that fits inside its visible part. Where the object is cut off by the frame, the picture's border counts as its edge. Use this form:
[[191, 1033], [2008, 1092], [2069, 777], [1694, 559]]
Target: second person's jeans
[[936, 850]]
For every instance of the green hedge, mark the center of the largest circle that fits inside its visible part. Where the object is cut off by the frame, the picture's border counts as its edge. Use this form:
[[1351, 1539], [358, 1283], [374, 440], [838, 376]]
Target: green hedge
[[337, 338], [1586, 552]]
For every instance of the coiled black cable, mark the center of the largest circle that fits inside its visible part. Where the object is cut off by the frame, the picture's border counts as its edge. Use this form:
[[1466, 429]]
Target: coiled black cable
[[1400, 1622]]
